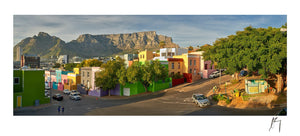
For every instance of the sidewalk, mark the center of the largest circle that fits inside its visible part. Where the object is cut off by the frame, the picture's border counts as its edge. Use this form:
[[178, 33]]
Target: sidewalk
[[32, 108]]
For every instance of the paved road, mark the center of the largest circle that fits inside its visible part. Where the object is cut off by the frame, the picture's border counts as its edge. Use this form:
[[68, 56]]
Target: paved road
[[172, 101]]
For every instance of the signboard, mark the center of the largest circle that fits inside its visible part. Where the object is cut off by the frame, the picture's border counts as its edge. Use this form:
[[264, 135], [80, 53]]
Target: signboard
[[126, 92], [253, 90]]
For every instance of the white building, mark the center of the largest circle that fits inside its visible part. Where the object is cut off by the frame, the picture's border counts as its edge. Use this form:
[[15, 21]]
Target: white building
[[166, 53], [62, 59]]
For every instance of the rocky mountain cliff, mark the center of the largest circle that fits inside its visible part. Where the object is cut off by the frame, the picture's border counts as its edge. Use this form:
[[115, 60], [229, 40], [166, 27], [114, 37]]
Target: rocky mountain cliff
[[88, 45]]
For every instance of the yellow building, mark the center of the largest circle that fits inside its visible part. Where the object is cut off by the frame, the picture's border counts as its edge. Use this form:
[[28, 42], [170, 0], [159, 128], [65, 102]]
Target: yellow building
[[76, 70], [185, 62], [73, 79], [145, 55]]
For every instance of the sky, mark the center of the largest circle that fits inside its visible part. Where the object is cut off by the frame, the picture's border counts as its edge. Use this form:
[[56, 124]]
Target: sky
[[185, 30]]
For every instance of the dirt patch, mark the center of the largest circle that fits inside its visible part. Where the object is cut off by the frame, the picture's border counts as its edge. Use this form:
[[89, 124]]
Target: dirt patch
[[241, 100]]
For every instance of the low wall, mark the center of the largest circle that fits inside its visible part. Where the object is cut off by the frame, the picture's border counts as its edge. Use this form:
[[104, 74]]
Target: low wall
[[160, 85], [177, 81], [188, 77], [135, 88], [98, 93], [81, 89]]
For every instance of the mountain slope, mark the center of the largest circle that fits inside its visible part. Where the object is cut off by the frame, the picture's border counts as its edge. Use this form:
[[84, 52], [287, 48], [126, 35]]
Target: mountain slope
[[88, 45]]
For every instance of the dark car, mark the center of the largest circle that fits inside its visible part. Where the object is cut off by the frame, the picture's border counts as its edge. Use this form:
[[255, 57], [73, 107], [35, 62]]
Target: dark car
[[58, 97], [283, 112], [243, 73]]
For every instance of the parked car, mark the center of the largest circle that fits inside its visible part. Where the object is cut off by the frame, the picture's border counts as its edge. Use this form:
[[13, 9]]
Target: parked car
[[283, 112], [200, 100], [67, 91], [47, 93], [74, 96], [76, 92], [47, 87], [214, 74], [58, 97], [243, 73]]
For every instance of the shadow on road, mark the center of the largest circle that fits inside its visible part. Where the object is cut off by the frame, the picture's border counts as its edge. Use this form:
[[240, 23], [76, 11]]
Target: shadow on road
[[216, 110]]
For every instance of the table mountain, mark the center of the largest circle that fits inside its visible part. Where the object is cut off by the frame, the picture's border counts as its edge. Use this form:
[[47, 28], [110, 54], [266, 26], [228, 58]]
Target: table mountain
[[88, 45]]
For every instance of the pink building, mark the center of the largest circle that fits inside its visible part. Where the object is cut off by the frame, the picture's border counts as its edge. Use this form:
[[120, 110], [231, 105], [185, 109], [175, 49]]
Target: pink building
[[206, 67], [64, 79]]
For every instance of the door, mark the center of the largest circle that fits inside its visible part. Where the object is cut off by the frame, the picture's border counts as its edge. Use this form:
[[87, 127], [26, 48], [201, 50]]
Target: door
[[19, 101], [126, 92]]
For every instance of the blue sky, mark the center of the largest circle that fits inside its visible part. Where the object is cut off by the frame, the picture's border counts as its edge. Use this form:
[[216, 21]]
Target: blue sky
[[185, 30]]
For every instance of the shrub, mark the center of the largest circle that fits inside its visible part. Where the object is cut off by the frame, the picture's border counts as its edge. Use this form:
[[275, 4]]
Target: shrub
[[177, 76]]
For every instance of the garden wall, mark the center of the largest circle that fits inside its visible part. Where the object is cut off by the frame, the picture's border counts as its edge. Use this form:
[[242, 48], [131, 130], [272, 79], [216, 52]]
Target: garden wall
[[177, 81]]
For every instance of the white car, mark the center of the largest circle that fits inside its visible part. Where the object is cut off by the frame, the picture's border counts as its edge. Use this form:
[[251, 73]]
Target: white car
[[74, 96], [200, 100], [76, 92], [214, 74], [67, 91]]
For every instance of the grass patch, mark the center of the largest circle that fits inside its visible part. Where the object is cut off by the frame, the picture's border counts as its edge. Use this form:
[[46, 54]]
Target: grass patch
[[221, 97]]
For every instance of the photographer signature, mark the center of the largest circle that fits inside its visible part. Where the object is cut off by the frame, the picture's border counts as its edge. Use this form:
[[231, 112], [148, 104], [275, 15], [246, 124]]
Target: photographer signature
[[274, 120]]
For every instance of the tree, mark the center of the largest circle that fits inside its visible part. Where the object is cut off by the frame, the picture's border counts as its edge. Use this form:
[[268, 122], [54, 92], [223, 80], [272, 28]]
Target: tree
[[257, 49], [191, 48], [56, 65], [144, 74], [70, 66], [107, 78], [90, 63]]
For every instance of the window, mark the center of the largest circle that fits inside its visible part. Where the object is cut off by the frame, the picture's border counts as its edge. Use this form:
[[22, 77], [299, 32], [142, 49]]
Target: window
[[16, 80], [190, 70], [194, 62], [88, 74], [190, 62], [178, 73], [194, 71], [178, 65], [205, 66], [172, 65], [83, 82], [82, 74]]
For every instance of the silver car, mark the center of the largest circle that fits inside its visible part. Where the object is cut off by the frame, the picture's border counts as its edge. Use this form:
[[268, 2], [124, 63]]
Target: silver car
[[67, 91], [200, 100], [74, 96]]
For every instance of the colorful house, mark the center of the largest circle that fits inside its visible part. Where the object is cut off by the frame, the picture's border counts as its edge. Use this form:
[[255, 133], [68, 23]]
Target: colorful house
[[73, 80], [29, 88], [60, 79], [145, 56], [255, 86], [206, 67], [129, 59], [175, 65], [191, 66], [88, 75]]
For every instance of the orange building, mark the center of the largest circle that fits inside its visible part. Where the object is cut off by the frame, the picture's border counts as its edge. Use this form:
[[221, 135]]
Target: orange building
[[191, 65], [175, 66]]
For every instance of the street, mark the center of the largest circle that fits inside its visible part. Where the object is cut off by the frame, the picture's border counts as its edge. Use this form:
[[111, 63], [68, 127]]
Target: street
[[173, 101]]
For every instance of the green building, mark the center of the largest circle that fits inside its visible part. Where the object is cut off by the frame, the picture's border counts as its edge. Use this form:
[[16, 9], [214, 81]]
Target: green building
[[29, 88]]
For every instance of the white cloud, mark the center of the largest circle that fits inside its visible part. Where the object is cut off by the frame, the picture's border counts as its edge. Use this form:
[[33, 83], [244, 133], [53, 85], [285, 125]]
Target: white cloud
[[185, 30]]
